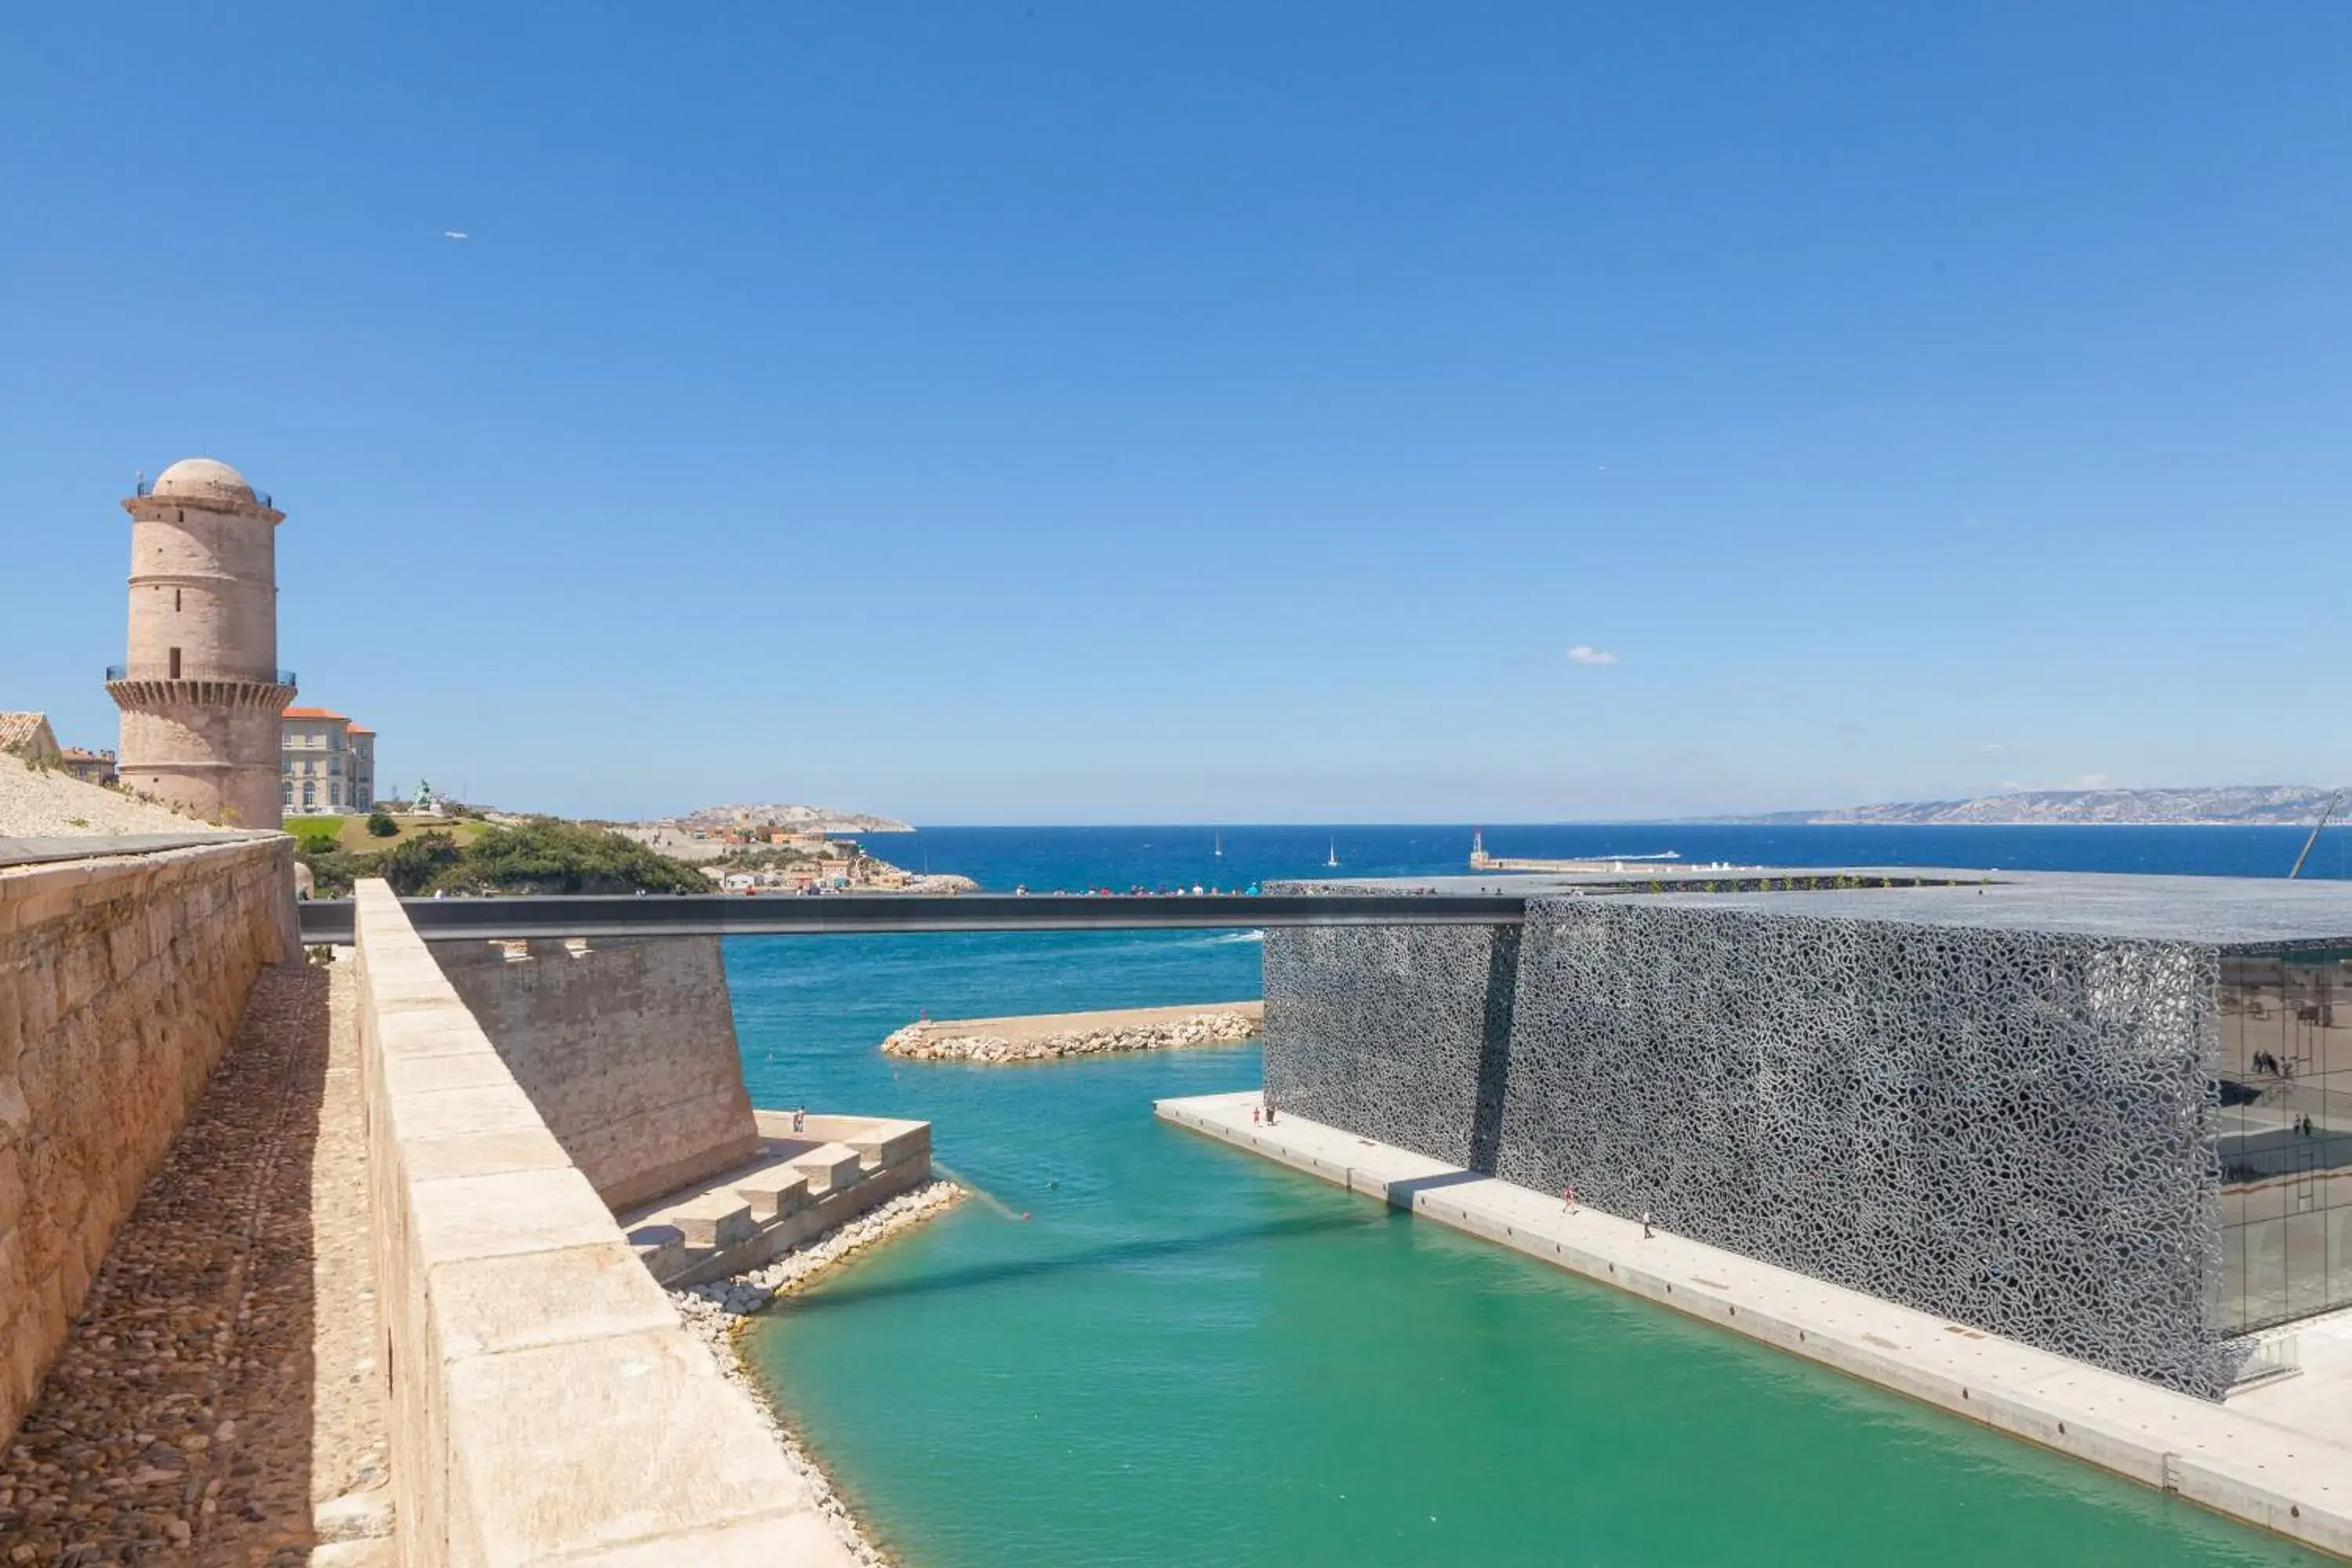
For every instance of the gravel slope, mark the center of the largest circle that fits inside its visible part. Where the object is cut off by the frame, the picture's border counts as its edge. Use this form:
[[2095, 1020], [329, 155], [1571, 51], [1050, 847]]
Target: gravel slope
[[45, 804]]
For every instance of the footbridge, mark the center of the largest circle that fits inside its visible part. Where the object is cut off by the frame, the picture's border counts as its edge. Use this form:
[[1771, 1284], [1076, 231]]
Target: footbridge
[[698, 914]]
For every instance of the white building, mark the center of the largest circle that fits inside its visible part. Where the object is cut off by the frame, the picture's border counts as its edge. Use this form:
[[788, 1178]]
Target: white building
[[330, 762]]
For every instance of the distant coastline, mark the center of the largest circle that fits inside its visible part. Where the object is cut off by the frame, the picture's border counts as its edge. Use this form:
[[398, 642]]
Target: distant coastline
[[803, 819], [2229, 805], [1800, 820]]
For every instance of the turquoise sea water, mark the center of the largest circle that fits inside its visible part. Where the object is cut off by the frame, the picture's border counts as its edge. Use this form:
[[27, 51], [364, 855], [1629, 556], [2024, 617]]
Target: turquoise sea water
[[1185, 1355]]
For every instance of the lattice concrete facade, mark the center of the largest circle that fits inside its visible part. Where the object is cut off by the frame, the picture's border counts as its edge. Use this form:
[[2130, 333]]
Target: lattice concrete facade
[[1967, 1100]]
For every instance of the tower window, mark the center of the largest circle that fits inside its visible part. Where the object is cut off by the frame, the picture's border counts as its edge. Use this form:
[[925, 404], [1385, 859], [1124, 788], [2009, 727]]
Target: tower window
[[175, 599], [175, 664]]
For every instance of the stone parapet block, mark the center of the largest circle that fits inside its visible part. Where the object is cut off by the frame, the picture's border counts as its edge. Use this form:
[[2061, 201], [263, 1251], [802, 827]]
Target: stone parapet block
[[775, 1195], [548, 1403], [829, 1167], [892, 1143], [715, 1221]]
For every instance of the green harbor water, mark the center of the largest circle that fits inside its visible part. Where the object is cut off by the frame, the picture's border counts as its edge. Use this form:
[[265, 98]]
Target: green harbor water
[[1183, 1354]]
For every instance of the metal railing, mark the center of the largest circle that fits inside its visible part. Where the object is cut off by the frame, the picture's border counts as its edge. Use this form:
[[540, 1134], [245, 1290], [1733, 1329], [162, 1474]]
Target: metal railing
[[146, 486], [187, 672], [717, 914]]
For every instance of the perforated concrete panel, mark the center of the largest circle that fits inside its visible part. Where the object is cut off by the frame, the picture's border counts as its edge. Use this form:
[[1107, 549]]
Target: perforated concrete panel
[[2013, 1129]]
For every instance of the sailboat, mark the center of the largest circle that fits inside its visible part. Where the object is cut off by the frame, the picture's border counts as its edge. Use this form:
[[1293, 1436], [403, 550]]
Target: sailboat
[[1333, 858]]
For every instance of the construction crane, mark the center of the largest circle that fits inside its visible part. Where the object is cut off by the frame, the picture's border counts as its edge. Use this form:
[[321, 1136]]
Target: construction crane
[[2332, 801]]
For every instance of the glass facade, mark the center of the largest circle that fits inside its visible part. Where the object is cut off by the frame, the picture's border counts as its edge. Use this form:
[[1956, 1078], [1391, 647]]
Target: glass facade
[[2285, 1136]]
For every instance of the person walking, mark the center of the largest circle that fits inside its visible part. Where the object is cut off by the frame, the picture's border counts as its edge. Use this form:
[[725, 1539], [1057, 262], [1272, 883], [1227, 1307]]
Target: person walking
[[1646, 1224], [1568, 1201]]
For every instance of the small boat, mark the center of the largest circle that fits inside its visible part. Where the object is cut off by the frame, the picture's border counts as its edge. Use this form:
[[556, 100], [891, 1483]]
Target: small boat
[[1220, 850], [1333, 858]]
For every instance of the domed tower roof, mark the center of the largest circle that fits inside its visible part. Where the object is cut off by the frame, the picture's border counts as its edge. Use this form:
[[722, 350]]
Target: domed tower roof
[[203, 479]]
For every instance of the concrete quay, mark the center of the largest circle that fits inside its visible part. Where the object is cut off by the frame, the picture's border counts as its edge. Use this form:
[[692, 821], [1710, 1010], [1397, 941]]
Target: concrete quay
[[2274, 1455]]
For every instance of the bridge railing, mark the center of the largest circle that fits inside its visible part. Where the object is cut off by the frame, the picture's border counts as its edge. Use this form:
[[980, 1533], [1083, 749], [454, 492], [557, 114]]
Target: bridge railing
[[192, 672], [713, 914]]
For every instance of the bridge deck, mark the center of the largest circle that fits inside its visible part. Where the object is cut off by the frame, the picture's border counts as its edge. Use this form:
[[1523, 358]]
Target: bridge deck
[[480, 920]]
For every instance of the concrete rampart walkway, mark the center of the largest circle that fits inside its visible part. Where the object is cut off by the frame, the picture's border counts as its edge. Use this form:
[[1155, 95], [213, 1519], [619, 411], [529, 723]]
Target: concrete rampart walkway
[[2282, 1477]]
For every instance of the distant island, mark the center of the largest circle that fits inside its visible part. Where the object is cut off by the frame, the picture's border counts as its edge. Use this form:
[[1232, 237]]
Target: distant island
[[786, 849], [806, 818], [2245, 806]]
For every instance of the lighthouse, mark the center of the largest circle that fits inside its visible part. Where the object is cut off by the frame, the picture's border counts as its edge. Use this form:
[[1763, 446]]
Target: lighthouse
[[200, 689]]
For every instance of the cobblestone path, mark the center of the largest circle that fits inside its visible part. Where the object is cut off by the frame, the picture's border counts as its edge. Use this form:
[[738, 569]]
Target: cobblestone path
[[178, 1423]]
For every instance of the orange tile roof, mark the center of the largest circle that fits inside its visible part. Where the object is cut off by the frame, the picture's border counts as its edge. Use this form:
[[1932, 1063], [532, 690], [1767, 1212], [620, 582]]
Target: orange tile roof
[[314, 714], [361, 729]]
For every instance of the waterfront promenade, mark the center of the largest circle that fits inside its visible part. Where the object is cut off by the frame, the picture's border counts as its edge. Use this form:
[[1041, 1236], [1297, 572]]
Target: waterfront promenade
[[2273, 1456]]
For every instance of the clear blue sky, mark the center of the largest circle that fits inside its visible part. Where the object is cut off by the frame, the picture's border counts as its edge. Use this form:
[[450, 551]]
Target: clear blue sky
[[1056, 411]]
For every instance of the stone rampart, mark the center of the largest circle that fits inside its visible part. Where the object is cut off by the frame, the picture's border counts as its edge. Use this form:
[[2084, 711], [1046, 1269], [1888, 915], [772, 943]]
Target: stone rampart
[[547, 1402], [626, 1047], [122, 979]]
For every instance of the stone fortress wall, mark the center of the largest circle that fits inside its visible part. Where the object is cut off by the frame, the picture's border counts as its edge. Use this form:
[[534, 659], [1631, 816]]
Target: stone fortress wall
[[2012, 1130], [627, 1047], [547, 1402], [122, 979]]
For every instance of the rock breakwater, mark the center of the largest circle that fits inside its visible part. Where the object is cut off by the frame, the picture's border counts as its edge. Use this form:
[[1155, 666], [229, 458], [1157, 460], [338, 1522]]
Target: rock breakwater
[[713, 1312], [992, 1040]]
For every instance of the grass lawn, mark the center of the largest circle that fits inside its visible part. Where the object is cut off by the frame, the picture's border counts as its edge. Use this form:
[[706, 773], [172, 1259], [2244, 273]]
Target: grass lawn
[[352, 832]]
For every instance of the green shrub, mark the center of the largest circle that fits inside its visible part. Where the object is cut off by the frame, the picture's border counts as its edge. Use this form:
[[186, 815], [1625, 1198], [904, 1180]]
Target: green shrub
[[379, 824], [333, 868], [543, 856], [419, 864], [548, 856]]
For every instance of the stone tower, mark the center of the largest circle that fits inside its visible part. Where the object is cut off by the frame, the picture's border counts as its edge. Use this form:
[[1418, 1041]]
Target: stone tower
[[201, 692]]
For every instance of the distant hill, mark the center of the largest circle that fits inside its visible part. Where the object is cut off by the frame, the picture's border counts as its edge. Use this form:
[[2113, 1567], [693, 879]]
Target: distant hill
[[809, 818], [2268, 806]]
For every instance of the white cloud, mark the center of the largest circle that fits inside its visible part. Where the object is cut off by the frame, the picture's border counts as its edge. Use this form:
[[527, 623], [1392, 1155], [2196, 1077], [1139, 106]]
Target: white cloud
[[1585, 653], [1994, 746], [2092, 780], [455, 234]]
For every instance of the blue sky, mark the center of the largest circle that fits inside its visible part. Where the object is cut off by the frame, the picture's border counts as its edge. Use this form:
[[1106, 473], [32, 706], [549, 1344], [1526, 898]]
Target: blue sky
[[1110, 412]]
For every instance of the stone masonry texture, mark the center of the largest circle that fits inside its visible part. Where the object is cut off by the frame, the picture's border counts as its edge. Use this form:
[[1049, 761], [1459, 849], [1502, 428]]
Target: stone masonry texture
[[2013, 1129], [122, 979], [547, 1404], [200, 693], [625, 1046]]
